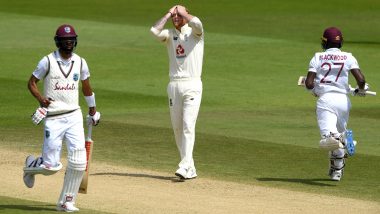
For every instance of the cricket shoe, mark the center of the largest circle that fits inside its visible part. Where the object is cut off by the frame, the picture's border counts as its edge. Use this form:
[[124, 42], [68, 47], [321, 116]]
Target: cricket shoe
[[29, 178], [336, 175], [67, 207], [183, 173]]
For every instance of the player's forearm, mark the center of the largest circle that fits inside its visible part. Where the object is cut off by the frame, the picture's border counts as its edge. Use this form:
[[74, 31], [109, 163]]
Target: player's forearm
[[360, 80], [89, 96], [32, 86], [309, 82], [157, 29], [86, 87], [159, 25], [187, 16]]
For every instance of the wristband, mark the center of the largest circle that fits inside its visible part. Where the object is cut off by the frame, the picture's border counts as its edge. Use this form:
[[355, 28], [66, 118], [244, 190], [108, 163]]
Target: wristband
[[90, 100]]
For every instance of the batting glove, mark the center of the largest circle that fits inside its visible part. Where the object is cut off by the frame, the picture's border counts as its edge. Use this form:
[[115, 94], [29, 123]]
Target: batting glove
[[361, 92], [93, 119], [39, 115]]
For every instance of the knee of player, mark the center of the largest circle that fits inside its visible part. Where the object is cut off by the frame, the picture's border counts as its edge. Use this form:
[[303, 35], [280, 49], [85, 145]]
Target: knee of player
[[76, 159], [331, 142]]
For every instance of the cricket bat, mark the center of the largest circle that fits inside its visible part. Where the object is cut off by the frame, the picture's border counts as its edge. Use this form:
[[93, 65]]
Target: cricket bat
[[302, 79], [89, 144]]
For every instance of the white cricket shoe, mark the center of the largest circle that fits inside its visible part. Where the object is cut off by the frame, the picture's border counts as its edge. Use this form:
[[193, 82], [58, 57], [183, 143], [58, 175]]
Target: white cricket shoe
[[336, 175], [186, 173], [191, 173], [67, 207], [29, 178]]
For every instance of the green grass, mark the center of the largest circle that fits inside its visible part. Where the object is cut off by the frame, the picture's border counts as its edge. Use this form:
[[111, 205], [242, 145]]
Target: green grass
[[255, 125], [14, 206]]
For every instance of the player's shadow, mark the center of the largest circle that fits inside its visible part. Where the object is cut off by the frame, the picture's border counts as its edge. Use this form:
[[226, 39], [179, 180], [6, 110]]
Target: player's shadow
[[362, 42], [312, 181], [139, 175], [27, 208]]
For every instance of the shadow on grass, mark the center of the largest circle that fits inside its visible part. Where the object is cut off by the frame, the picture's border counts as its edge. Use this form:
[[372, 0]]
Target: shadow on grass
[[363, 42], [29, 208], [313, 181], [139, 175]]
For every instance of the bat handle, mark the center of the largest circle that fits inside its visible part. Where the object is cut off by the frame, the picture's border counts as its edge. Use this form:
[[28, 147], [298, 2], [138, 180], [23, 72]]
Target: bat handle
[[373, 93], [89, 132]]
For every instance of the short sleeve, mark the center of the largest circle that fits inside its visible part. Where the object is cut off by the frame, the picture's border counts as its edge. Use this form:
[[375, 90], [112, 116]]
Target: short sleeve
[[160, 35], [353, 63], [313, 65], [85, 71], [42, 68]]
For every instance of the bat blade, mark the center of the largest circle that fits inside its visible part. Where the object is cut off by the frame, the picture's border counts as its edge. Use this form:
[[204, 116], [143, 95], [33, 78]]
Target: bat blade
[[84, 183], [89, 144]]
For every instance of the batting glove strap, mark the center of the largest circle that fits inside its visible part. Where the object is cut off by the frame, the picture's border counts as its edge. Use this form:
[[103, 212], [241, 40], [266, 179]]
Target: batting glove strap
[[90, 100], [39, 115], [94, 119]]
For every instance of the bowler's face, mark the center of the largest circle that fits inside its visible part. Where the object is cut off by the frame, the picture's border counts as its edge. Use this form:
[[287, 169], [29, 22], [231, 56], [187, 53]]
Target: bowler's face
[[178, 21]]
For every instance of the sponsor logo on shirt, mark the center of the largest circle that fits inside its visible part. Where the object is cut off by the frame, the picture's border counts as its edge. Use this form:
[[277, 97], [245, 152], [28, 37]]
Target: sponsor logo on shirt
[[67, 87], [180, 51]]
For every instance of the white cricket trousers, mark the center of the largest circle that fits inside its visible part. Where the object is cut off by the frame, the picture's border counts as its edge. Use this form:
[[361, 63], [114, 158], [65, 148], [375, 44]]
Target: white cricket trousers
[[184, 102], [333, 111], [68, 128]]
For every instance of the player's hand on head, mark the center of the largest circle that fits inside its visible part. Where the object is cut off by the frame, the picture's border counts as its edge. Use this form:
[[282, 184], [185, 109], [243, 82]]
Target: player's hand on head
[[182, 9], [93, 119], [172, 10]]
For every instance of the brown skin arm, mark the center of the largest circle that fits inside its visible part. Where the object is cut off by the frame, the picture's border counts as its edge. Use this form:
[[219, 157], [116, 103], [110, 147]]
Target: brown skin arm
[[33, 88], [360, 80], [87, 91], [309, 82]]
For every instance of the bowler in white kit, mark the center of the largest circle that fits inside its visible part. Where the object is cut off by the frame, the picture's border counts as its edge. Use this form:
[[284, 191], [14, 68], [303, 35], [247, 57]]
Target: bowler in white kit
[[327, 79], [185, 44], [61, 72]]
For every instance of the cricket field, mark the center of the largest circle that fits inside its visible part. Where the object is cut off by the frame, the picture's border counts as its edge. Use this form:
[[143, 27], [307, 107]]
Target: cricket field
[[257, 137]]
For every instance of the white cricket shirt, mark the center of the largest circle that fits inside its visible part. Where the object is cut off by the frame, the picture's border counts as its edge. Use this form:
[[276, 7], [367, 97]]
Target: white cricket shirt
[[185, 49], [332, 69], [61, 81]]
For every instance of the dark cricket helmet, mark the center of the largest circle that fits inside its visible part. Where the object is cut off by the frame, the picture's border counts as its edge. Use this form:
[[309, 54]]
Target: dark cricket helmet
[[332, 38], [66, 38]]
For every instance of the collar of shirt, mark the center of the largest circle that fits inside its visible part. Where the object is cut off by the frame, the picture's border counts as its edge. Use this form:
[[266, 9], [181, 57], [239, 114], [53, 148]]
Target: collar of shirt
[[59, 58], [183, 29], [333, 50]]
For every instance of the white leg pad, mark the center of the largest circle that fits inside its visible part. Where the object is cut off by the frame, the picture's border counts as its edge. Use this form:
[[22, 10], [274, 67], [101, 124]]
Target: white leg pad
[[73, 177], [337, 164], [330, 144], [76, 159], [36, 167]]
